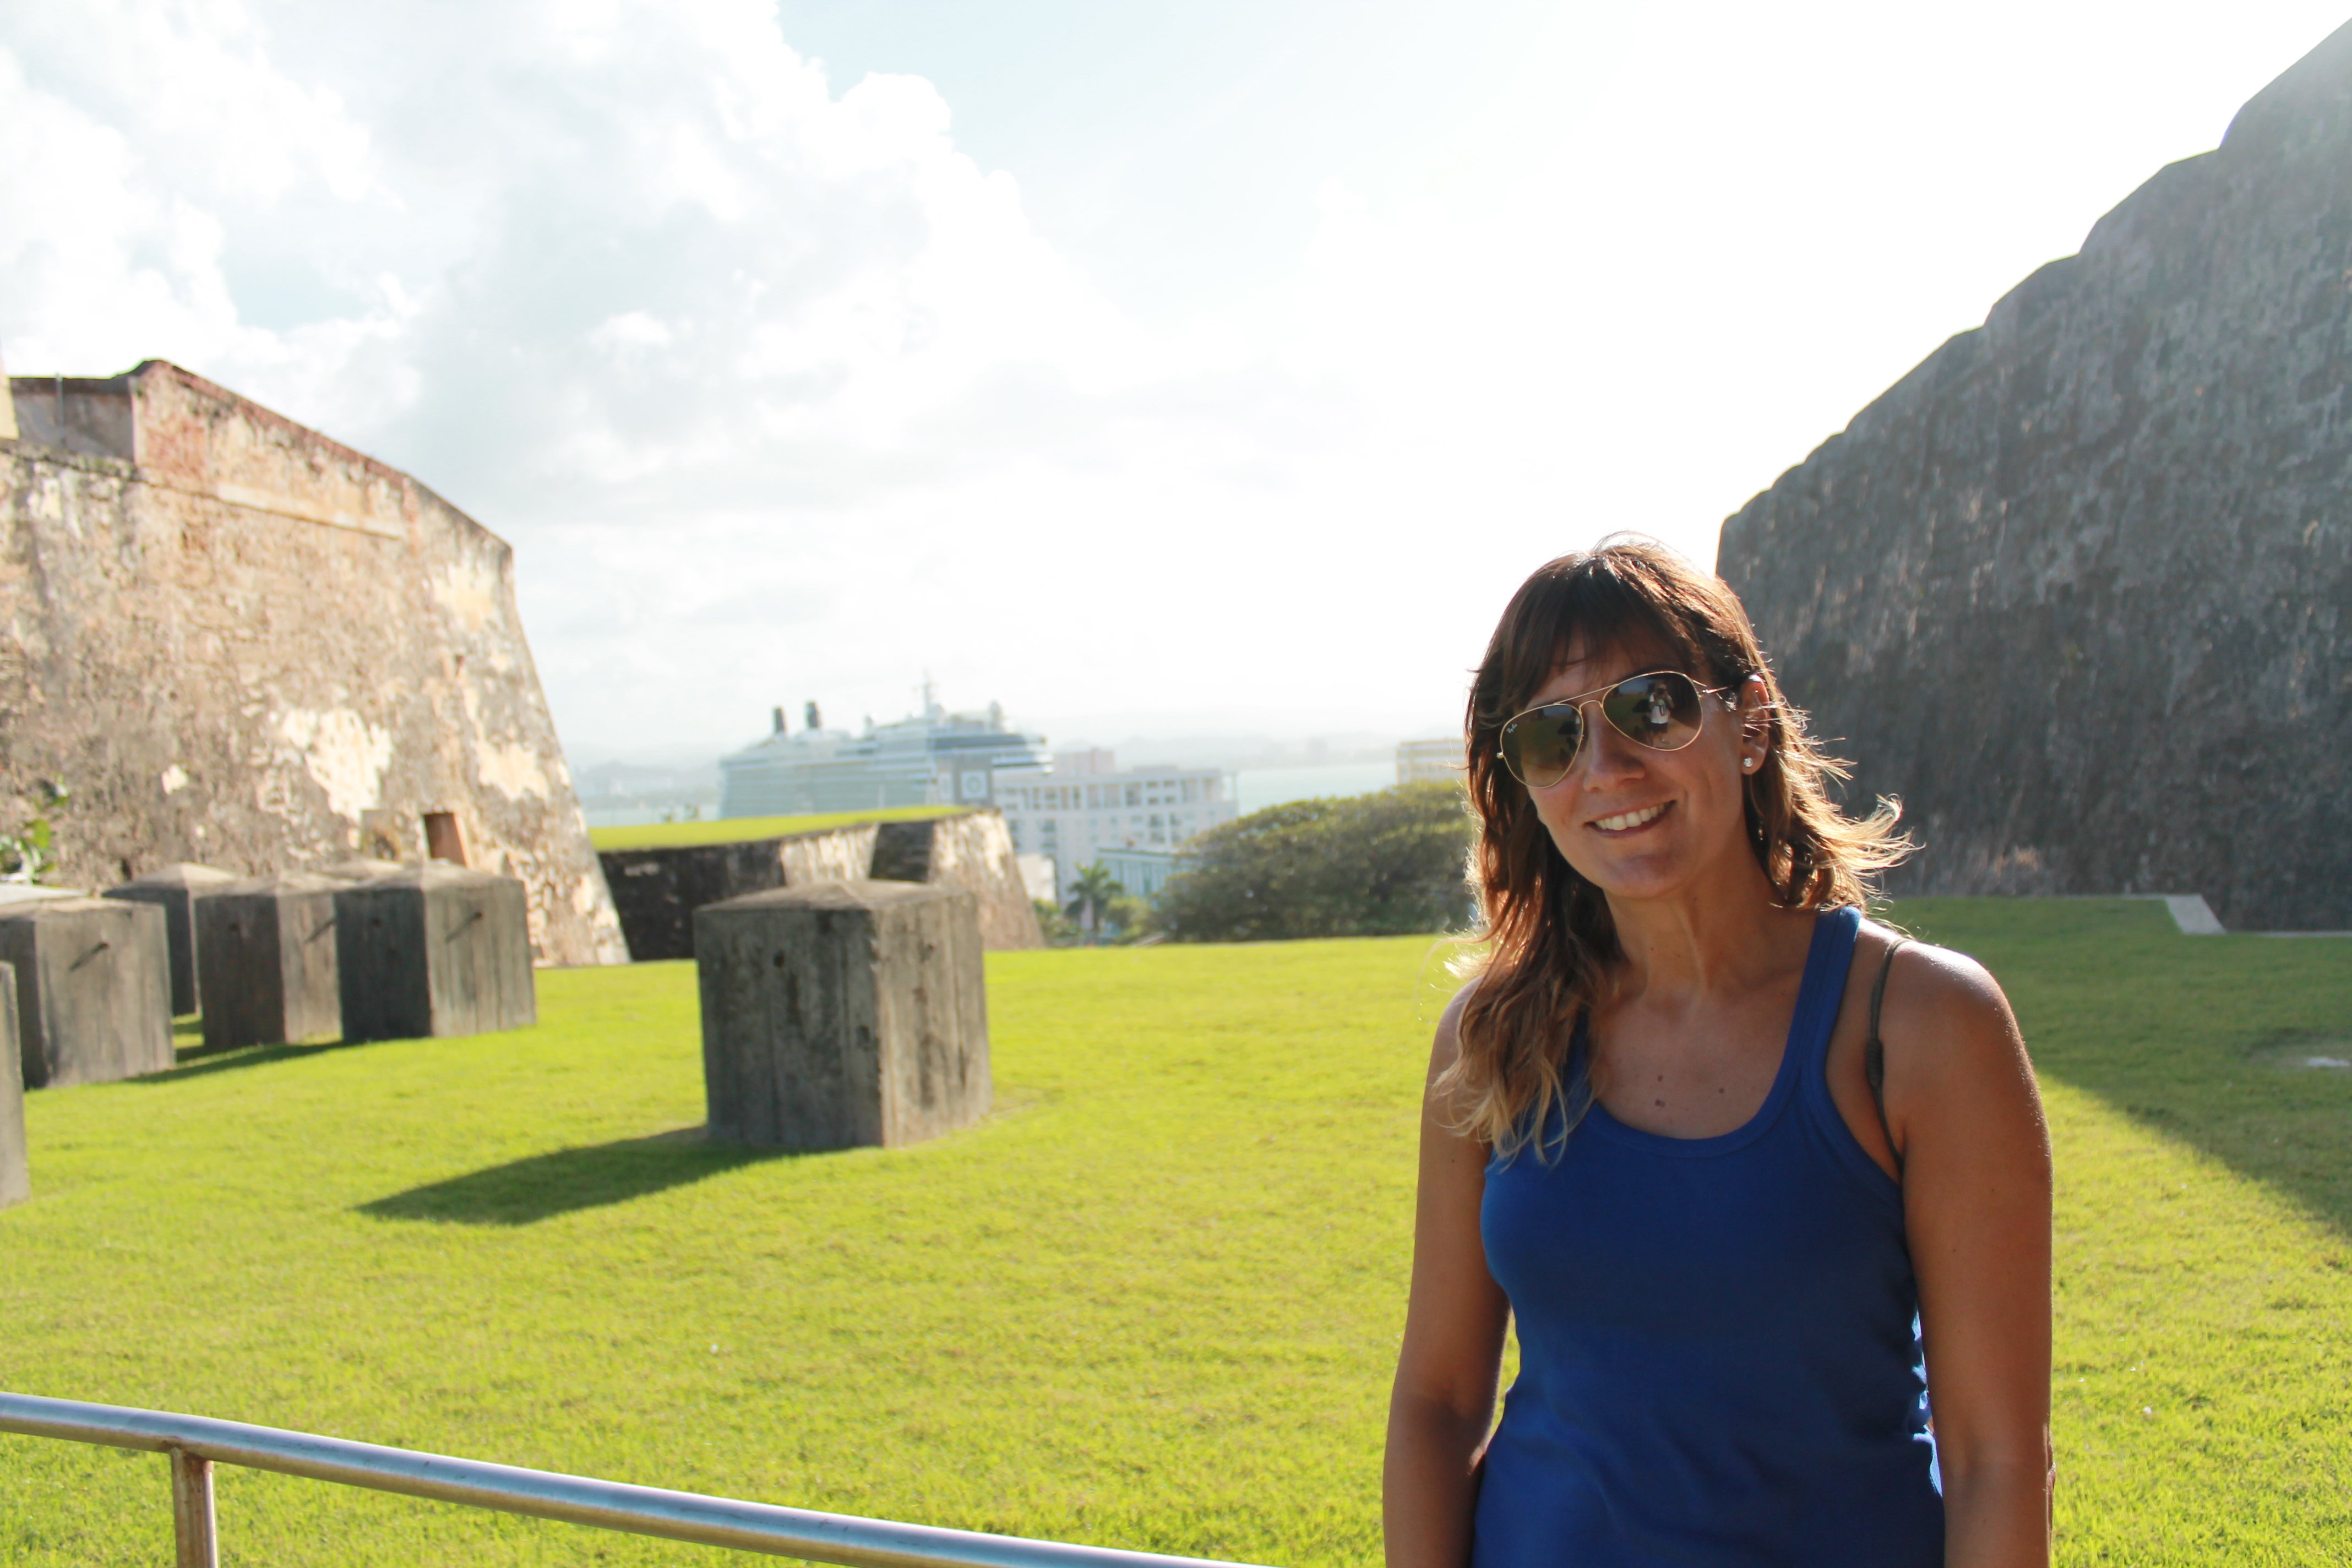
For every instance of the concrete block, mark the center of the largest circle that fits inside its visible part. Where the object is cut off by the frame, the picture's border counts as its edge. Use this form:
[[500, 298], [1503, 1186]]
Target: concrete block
[[175, 890], [32, 892], [842, 1013], [93, 989], [363, 868], [16, 1178], [433, 950], [267, 951]]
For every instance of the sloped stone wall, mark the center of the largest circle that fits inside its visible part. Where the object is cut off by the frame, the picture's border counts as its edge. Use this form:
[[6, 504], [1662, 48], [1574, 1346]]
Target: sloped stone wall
[[971, 850], [657, 891], [2079, 588], [843, 855], [239, 643]]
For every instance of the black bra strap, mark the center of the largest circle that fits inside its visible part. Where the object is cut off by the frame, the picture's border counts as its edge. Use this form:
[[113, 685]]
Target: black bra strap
[[1874, 1053]]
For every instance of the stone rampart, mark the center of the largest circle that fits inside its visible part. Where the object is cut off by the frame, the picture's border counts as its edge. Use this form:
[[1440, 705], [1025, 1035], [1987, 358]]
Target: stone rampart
[[658, 890], [240, 643], [2078, 589], [972, 851]]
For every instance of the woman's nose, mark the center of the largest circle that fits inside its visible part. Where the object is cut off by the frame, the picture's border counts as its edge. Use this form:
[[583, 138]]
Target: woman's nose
[[1609, 755]]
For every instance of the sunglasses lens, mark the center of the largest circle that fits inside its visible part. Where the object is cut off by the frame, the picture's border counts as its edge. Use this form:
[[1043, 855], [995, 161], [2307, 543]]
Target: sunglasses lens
[[1539, 744], [1660, 712]]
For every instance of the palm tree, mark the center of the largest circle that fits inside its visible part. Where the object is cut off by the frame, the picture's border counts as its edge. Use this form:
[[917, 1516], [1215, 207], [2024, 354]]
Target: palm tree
[[1091, 891]]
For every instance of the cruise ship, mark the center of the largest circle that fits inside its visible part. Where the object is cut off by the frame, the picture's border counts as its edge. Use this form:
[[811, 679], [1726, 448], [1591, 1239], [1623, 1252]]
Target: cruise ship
[[935, 758]]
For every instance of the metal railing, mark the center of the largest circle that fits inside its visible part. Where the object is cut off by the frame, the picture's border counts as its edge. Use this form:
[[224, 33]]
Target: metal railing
[[196, 1444]]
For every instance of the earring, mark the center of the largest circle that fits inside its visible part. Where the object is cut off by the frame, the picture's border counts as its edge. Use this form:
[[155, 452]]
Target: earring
[[1749, 763]]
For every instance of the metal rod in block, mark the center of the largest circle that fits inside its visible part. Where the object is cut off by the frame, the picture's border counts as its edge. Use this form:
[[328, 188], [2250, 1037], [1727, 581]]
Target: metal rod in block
[[191, 1511]]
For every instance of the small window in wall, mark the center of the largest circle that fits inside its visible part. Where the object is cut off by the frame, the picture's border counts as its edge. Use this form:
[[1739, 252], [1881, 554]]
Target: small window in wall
[[443, 841]]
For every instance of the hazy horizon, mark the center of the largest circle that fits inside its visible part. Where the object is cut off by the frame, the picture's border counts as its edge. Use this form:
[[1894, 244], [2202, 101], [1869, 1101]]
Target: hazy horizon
[[1176, 746]]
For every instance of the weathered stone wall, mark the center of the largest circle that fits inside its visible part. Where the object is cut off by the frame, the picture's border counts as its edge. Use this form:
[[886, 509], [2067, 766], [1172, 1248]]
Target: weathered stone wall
[[843, 855], [657, 891], [971, 850], [239, 643], [2079, 588]]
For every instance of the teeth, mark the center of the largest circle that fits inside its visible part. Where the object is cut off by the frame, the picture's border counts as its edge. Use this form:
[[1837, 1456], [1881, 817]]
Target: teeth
[[1626, 819]]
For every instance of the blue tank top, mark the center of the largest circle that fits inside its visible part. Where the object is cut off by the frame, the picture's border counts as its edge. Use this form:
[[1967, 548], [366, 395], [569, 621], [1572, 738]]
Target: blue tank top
[[1718, 1349]]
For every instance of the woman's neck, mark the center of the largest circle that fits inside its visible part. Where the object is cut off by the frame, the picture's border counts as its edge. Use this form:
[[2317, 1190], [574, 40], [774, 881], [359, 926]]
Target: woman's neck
[[1724, 933]]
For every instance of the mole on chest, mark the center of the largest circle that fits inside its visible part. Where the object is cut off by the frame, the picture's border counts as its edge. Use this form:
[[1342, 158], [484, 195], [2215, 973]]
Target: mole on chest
[[1684, 1092]]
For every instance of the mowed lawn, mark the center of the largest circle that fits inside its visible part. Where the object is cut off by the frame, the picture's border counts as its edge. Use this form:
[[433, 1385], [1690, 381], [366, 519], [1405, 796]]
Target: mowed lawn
[[1152, 1302]]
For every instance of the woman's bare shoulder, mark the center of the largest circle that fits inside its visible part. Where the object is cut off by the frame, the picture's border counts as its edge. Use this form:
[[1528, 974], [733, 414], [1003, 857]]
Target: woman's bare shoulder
[[1952, 977], [1944, 1012]]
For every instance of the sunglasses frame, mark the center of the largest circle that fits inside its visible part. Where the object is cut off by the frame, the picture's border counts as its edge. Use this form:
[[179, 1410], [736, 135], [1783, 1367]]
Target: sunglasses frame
[[1727, 695]]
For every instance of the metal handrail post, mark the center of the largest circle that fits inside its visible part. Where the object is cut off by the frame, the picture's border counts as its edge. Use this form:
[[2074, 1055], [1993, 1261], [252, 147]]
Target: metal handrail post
[[194, 1531], [197, 1443]]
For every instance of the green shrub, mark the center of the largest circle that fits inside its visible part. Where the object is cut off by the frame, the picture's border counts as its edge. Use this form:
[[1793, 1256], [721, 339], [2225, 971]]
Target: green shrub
[[29, 854], [1130, 919], [1368, 864], [1054, 925]]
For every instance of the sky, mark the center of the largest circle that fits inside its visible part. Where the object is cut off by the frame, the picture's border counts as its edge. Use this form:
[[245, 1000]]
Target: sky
[[1150, 369]]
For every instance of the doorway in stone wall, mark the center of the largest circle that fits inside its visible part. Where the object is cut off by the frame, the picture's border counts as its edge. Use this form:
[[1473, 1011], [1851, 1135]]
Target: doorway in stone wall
[[442, 839]]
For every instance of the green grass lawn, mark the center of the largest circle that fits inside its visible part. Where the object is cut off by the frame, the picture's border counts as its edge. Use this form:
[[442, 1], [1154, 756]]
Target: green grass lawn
[[743, 829], [1152, 1302]]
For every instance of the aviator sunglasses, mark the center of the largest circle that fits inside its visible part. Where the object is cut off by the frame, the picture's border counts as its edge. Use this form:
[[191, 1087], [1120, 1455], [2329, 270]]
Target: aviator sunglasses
[[1660, 711]]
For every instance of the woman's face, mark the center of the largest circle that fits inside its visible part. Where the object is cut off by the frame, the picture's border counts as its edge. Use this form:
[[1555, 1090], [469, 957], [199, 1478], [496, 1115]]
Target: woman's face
[[1641, 824]]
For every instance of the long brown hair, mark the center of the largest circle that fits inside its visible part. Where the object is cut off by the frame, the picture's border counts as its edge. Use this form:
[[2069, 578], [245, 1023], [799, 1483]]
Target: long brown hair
[[1551, 941]]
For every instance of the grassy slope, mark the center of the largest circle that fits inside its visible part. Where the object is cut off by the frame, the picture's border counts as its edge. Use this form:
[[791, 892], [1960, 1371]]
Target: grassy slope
[[741, 830], [1153, 1301]]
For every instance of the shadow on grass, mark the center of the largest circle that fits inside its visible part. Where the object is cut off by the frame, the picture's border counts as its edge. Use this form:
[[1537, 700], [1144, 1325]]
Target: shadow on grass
[[199, 1062], [2219, 1042], [524, 1192]]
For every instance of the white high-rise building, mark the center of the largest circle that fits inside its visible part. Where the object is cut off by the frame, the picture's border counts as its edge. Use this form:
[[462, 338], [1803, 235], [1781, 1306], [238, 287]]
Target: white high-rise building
[[1083, 807]]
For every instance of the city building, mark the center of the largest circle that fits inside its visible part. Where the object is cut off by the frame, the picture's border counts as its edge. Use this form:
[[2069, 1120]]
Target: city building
[[1083, 809], [1142, 872], [1420, 760], [936, 758]]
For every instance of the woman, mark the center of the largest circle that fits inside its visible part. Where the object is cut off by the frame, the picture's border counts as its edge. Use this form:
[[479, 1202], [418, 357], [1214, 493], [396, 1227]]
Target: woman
[[1717, 1142]]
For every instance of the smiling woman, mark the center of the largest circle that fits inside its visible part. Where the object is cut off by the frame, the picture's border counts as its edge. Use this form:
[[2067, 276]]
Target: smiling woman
[[1744, 1220]]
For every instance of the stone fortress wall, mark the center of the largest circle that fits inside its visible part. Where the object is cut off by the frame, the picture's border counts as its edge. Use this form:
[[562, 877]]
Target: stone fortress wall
[[2078, 589], [658, 889], [239, 643]]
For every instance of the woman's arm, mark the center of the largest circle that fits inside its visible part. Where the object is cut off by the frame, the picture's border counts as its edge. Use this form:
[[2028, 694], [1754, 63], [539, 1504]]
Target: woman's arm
[[1443, 1407], [1976, 1186]]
